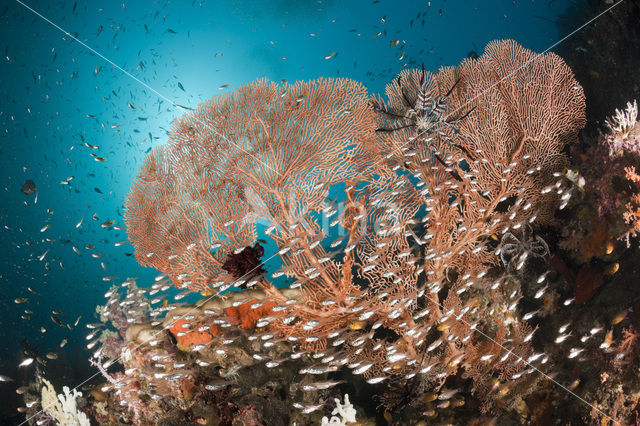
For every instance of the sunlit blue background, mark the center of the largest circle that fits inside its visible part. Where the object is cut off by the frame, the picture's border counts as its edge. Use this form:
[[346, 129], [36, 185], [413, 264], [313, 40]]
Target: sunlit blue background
[[185, 50]]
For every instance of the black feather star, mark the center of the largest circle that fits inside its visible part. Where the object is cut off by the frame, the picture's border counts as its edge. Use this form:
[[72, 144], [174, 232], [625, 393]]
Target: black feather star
[[245, 264]]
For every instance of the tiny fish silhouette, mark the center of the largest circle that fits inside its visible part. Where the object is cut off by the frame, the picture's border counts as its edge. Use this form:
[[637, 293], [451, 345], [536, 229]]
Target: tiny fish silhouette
[[29, 187]]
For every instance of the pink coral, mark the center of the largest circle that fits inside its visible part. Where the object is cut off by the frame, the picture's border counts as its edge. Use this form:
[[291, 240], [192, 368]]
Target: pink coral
[[632, 214], [624, 133]]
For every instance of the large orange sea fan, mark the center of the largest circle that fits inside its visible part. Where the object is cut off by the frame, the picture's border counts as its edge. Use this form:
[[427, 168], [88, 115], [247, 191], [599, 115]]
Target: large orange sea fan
[[263, 151]]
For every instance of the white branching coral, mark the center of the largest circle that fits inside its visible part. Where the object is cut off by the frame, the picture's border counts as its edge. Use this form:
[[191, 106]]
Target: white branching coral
[[346, 412], [624, 120], [63, 407]]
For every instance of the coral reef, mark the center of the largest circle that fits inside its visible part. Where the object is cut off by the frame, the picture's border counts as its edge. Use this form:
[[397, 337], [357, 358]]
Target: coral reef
[[605, 207], [184, 367], [414, 236], [451, 160]]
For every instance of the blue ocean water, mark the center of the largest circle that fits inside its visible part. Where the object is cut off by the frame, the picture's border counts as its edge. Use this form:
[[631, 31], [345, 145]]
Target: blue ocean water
[[109, 94]]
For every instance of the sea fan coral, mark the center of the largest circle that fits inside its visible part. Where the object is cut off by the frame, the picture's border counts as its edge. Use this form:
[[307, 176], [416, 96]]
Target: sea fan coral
[[264, 151], [411, 288]]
